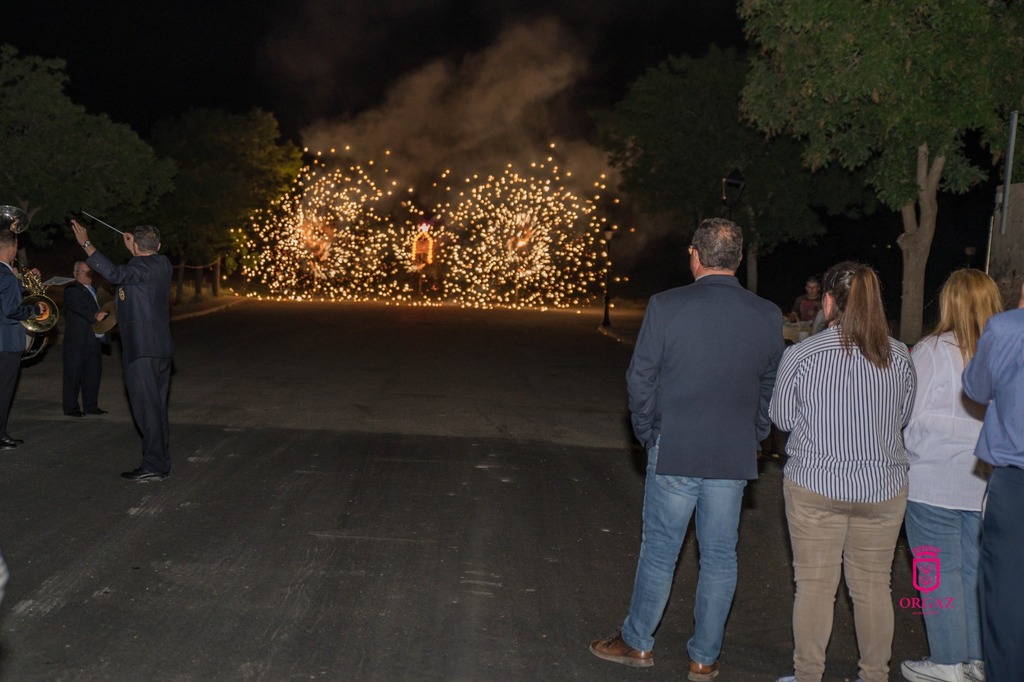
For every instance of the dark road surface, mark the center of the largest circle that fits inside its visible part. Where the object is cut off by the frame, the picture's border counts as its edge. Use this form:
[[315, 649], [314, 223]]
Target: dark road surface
[[365, 492]]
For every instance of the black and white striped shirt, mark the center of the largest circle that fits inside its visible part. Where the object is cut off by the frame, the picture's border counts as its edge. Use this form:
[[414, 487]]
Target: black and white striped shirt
[[845, 417]]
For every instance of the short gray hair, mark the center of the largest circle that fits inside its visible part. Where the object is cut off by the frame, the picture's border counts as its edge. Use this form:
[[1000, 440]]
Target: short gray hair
[[719, 244], [147, 238]]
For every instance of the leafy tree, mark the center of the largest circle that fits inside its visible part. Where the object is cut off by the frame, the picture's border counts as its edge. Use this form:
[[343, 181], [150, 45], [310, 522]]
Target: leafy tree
[[59, 158], [229, 166], [893, 87], [678, 132]]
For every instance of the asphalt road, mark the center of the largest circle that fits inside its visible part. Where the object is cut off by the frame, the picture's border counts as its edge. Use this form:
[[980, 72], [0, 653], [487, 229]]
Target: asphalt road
[[365, 492]]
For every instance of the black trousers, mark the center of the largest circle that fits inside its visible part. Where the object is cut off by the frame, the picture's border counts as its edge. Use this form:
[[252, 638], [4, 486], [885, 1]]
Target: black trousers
[[1002, 589], [10, 367], [148, 381], [83, 366]]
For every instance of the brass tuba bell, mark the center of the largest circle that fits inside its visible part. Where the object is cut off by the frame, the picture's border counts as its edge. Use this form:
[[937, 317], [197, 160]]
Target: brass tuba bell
[[47, 319], [14, 219]]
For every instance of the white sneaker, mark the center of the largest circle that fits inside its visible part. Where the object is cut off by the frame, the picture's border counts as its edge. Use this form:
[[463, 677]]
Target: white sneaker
[[787, 678], [926, 671], [974, 671]]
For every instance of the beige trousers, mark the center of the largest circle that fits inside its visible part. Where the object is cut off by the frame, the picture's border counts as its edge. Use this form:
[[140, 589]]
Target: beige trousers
[[830, 536]]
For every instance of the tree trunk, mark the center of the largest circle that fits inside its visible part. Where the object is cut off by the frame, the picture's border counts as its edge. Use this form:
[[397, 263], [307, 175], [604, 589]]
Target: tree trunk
[[751, 239], [916, 243], [199, 284], [752, 266], [179, 296], [216, 278]]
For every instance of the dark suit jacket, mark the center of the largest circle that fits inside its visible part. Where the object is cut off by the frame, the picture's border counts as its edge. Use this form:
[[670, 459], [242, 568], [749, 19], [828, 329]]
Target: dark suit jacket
[[143, 298], [12, 333], [80, 308], [701, 377]]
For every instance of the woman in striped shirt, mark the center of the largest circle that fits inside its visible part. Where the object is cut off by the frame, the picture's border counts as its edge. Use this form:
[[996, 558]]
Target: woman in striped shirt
[[845, 395]]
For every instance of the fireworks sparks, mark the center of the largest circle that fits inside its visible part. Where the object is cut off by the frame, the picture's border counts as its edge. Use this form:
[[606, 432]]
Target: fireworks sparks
[[324, 239], [524, 240], [517, 239]]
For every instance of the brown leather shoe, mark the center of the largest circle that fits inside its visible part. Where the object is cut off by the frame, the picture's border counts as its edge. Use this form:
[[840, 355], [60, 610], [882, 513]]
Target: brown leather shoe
[[702, 673], [616, 650]]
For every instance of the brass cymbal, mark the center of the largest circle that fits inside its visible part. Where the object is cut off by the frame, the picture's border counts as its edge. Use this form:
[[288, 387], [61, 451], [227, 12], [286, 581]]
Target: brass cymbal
[[108, 322]]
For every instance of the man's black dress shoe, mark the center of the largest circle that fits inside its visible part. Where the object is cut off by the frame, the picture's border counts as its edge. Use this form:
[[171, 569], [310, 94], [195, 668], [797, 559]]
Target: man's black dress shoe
[[16, 440], [143, 476], [75, 413], [7, 444], [97, 411]]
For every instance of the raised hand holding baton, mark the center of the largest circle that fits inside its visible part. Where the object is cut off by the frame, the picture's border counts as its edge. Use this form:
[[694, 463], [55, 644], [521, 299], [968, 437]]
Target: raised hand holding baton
[[87, 215]]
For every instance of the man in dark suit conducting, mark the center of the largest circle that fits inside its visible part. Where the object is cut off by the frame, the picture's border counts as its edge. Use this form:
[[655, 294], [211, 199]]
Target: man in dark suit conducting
[[699, 385], [83, 348], [143, 302]]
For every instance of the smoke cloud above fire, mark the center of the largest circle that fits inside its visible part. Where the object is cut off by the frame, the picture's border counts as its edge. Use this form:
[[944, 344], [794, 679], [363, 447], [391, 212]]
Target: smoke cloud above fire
[[508, 103]]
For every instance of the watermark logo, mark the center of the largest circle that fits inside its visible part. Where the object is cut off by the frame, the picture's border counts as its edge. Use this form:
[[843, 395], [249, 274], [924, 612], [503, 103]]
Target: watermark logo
[[927, 568], [927, 579]]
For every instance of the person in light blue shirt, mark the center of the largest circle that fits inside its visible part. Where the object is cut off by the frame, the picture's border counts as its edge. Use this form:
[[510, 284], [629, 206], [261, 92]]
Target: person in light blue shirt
[[995, 375]]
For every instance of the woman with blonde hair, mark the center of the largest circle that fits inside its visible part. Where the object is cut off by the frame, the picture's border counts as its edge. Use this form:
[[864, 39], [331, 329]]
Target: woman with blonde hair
[[947, 482], [845, 395]]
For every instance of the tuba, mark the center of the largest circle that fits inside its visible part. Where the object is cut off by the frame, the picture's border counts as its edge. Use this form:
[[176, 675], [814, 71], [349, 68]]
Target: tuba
[[39, 326], [47, 319], [14, 219]]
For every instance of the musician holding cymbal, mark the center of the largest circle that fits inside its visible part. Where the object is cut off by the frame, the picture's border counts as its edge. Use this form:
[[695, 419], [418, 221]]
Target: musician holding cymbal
[[83, 346], [13, 337], [143, 299]]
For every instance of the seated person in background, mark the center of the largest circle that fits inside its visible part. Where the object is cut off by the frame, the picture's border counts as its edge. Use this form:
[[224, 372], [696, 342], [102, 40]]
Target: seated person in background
[[807, 305]]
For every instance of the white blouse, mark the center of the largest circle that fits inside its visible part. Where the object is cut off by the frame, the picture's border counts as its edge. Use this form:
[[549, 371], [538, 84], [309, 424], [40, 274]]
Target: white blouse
[[943, 430]]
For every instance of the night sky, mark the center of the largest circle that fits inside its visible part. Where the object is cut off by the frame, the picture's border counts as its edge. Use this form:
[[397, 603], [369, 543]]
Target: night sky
[[431, 80], [315, 60]]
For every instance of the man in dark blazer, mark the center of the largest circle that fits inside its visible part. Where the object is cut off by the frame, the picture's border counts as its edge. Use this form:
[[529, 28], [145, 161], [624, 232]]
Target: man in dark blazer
[[699, 385], [83, 348], [143, 315], [13, 337]]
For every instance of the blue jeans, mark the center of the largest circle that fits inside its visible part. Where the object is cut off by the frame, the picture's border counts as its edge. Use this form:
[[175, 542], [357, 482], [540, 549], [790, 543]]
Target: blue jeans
[[669, 502], [954, 632]]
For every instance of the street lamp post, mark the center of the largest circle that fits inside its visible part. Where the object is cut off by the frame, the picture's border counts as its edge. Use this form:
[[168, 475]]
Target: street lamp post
[[732, 188], [608, 234]]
